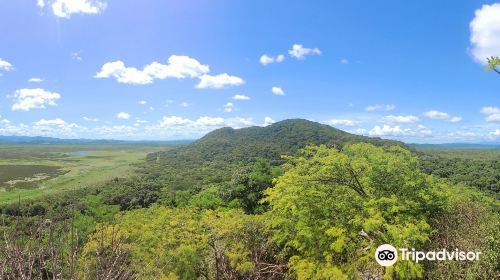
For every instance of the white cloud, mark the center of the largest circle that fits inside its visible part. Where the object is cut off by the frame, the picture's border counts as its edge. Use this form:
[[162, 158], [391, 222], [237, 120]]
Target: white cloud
[[277, 91], [496, 132], [26, 99], [387, 130], [229, 107], [179, 126], [266, 59], [178, 67], [143, 102], [174, 121], [53, 122], [492, 114], [117, 130], [400, 119], [241, 97], [298, 51], [344, 61], [65, 8], [35, 80], [268, 121], [123, 115], [126, 75], [209, 121], [336, 122], [437, 115], [40, 3], [5, 65], [90, 119], [184, 104], [380, 107], [77, 56], [485, 33], [219, 81]]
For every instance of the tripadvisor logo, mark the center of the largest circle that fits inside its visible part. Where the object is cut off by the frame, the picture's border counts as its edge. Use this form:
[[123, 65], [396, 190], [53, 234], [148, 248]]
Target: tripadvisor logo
[[387, 255]]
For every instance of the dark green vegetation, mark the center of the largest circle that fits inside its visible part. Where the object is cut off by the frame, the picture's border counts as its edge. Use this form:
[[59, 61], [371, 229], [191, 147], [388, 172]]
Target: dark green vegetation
[[294, 200], [479, 168]]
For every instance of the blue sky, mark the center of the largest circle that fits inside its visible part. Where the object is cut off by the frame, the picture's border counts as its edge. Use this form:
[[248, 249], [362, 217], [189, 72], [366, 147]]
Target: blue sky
[[395, 69]]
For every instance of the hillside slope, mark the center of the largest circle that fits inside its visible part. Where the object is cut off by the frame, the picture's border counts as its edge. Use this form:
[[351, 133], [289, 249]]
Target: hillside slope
[[270, 142], [214, 157]]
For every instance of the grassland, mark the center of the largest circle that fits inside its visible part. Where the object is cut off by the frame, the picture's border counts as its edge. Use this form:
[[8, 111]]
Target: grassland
[[28, 171]]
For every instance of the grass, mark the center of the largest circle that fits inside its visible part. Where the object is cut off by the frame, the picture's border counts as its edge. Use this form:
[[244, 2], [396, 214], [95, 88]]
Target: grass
[[39, 170]]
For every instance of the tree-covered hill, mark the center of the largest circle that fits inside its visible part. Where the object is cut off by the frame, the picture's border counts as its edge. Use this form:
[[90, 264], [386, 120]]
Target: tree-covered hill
[[270, 142], [214, 157]]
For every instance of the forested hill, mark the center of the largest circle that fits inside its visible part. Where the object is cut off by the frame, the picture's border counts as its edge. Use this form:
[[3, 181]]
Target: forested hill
[[215, 157], [270, 142]]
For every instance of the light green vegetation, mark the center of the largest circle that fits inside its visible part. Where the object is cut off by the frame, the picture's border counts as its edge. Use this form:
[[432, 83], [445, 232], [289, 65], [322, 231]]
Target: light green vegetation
[[28, 171]]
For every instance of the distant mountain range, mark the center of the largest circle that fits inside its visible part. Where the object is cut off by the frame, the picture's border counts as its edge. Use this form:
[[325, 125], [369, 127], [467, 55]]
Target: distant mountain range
[[456, 146]]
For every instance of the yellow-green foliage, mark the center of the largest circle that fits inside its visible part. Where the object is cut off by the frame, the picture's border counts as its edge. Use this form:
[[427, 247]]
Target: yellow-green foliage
[[186, 243], [334, 208]]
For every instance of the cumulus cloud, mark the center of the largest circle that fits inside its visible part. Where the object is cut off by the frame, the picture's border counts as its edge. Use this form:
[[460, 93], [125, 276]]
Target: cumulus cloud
[[229, 107], [278, 91], [26, 99], [400, 119], [219, 81], [65, 8], [54, 122], [123, 116], [241, 97], [298, 51], [90, 119], [268, 121], [126, 75], [35, 80], [178, 66], [180, 126], [337, 122], [5, 65], [496, 132], [437, 115], [387, 130], [174, 121], [485, 33], [142, 102], [266, 59], [380, 107], [344, 61], [492, 114]]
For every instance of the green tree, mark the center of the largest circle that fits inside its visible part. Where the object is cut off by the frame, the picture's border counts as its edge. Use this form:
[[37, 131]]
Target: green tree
[[248, 185], [333, 209], [493, 64]]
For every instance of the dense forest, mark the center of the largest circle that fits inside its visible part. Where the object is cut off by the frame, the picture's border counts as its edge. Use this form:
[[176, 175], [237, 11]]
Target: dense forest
[[293, 200]]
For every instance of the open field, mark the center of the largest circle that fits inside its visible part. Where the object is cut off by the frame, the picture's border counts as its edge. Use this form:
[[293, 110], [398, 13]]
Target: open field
[[32, 170]]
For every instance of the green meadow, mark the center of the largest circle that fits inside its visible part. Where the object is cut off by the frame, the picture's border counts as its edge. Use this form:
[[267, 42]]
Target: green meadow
[[28, 171]]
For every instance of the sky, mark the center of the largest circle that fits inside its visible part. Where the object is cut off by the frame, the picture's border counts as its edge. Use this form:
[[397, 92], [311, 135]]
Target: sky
[[164, 69]]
